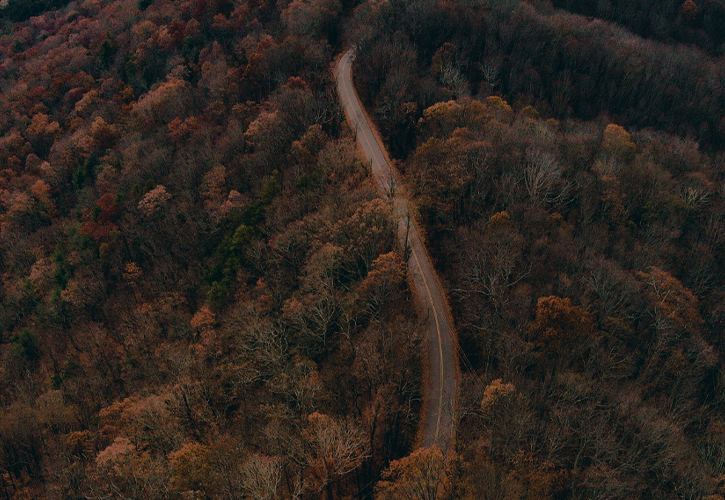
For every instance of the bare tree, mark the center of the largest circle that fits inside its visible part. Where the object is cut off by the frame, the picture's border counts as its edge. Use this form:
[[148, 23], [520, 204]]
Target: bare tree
[[542, 178], [261, 477], [493, 267], [336, 449], [490, 69], [452, 78]]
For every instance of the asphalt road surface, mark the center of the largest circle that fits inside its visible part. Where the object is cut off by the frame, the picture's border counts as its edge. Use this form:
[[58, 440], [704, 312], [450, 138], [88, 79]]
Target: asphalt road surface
[[442, 383]]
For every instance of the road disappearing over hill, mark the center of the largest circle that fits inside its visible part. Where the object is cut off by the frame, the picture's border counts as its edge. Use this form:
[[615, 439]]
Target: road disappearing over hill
[[440, 398]]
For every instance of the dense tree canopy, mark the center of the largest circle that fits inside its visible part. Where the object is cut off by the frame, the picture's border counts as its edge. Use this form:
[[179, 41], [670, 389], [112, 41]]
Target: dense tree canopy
[[201, 295]]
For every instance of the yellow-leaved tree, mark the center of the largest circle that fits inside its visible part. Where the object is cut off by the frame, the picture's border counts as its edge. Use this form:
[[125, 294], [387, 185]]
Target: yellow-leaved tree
[[617, 143]]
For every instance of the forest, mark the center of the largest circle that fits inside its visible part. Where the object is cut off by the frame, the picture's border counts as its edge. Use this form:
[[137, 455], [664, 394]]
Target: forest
[[202, 294], [572, 193]]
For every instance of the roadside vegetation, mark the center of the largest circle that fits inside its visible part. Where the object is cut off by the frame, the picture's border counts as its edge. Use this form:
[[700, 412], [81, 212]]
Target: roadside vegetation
[[576, 210], [201, 294]]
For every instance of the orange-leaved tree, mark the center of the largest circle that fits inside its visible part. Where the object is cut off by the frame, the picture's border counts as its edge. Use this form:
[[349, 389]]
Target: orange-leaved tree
[[425, 474], [672, 305], [383, 283], [560, 325]]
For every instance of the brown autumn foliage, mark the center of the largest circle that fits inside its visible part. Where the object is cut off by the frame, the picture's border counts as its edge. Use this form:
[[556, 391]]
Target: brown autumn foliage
[[414, 55], [201, 295], [569, 262], [424, 474], [583, 258], [559, 325]]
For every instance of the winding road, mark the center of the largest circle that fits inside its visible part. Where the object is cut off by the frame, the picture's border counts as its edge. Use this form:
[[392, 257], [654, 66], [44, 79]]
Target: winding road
[[440, 398]]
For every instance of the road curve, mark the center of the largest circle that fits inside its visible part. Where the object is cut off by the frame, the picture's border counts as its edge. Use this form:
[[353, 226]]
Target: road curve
[[442, 382]]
